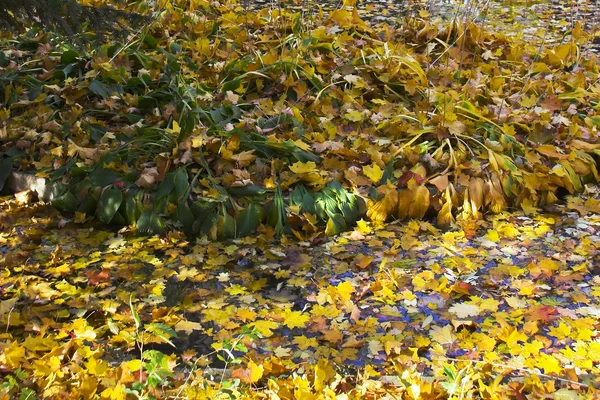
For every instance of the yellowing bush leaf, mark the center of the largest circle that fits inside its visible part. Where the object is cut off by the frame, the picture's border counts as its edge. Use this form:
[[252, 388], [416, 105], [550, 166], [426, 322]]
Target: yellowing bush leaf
[[420, 203]]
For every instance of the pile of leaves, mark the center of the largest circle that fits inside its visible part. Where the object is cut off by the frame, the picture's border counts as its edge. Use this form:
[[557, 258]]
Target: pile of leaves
[[506, 306], [219, 121]]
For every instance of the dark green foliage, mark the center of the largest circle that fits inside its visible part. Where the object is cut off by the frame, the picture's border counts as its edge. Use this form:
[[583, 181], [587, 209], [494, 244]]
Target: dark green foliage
[[66, 17]]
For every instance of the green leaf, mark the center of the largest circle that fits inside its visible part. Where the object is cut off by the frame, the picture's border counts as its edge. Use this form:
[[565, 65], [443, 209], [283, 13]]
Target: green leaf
[[68, 57], [108, 204], [297, 195], [118, 219], [98, 88], [181, 183], [165, 188], [210, 221], [388, 172], [89, 204], [308, 204], [66, 202], [149, 41], [231, 85], [225, 227], [250, 190], [132, 207], [103, 177], [200, 209], [150, 223], [134, 313], [185, 217], [5, 170], [249, 219], [163, 331], [175, 47], [335, 225]]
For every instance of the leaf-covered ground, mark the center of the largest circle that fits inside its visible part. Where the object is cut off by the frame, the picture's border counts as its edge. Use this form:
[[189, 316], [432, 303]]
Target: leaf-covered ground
[[212, 117], [507, 306], [223, 123]]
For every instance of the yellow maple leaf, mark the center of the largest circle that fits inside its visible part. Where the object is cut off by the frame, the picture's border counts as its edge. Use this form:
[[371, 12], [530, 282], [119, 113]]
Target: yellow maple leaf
[[464, 310], [283, 352], [7, 306], [374, 173], [188, 326], [511, 336], [133, 365], [549, 363], [492, 236], [245, 314], [96, 367], [354, 115], [324, 373], [295, 319], [304, 343], [236, 289], [244, 158], [202, 46], [363, 227], [197, 142], [114, 393], [256, 371], [345, 290], [264, 327], [13, 355], [532, 349], [303, 168], [443, 335], [363, 261], [484, 342], [561, 331]]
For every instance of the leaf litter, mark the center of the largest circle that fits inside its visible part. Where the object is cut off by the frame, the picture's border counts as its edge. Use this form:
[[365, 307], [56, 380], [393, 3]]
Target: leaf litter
[[508, 304], [212, 125], [433, 122]]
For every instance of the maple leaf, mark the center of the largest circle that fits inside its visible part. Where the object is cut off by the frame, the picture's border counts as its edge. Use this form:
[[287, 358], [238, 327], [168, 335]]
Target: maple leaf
[[549, 363], [443, 335], [251, 374], [511, 336], [464, 310], [264, 327], [303, 168], [295, 319], [374, 173]]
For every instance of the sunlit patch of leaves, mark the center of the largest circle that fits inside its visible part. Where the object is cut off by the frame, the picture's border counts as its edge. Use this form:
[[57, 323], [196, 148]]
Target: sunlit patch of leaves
[[502, 305]]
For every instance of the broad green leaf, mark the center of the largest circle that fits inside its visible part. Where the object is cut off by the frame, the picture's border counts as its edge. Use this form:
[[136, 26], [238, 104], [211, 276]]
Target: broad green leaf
[[108, 204], [150, 223], [226, 227], [185, 217], [89, 204], [5, 170], [132, 207], [209, 223], [66, 202], [181, 183], [335, 225], [249, 219], [165, 188], [98, 88]]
